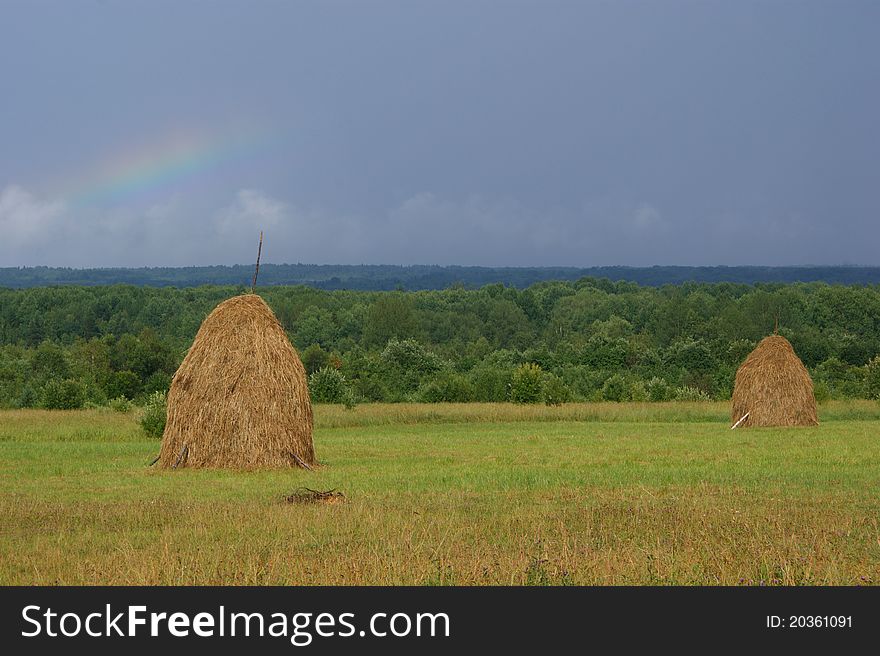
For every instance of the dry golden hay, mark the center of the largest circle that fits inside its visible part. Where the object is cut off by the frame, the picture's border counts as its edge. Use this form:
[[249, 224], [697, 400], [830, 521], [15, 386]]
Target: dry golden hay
[[774, 387], [239, 399]]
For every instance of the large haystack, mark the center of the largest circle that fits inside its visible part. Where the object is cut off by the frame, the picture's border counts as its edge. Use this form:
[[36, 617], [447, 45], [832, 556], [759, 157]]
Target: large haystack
[[774, 387], [239, 399]]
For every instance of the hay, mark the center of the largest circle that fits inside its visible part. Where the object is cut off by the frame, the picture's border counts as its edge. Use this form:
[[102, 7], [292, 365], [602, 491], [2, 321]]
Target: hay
[[774, 387], [239, 400], [306, 495]]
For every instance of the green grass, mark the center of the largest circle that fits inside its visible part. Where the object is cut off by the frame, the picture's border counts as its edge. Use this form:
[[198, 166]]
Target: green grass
[[455, 494]]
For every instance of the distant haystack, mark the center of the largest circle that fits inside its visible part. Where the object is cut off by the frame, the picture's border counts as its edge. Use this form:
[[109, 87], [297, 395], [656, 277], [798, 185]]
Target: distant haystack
[[773, 388], [239, 399]]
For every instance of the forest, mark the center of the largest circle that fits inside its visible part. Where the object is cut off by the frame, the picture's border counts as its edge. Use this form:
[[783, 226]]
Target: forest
[[375, 277], [552, 342]]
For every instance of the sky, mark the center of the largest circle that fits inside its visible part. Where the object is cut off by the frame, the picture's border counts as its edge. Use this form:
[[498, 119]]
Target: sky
[[500, 133]]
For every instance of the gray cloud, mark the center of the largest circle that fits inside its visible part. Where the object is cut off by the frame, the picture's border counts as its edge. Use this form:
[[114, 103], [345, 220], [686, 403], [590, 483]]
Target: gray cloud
[[424, 228], [393, 132], [25, 220]]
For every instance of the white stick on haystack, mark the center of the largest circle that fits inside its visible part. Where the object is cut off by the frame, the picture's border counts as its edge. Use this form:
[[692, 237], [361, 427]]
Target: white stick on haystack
[[741, 420]]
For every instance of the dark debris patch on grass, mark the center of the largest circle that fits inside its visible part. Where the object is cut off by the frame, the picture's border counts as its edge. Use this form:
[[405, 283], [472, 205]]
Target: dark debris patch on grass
[[306, 495]]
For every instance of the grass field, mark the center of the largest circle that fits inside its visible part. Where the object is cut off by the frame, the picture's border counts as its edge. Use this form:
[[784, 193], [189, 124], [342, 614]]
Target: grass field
[[455, 494]]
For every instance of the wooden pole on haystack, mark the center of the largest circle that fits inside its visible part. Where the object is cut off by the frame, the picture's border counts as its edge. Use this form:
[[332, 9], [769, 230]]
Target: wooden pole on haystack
[[257, 270]]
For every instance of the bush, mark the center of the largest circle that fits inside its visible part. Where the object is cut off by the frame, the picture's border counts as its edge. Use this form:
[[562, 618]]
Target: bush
[[658, 390], [154, 415], [314, 358], [48, 362], [722, 382], [844, 380], [615, 389], [327, 385], [447, 388], [526, 384], [28, 397], [821, 391], [584, 382], [872, 378], [404, 365], [158, 381], [119, 404], [490, 383], [371, 388], [690, 394], [691, 355], [638, 391], [556, 392], [409, 355], [350, 400], [123, 383], [738, 350], [63, 395], [94, 394], [605, 353]]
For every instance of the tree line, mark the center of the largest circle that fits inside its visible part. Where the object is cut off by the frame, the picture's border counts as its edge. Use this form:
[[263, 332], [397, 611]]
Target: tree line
[[553, 341], [382, 277]]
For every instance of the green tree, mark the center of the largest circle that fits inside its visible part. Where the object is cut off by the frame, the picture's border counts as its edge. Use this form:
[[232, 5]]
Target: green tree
[[692, 355], [154, 415], [314, 358], [158, 381], [555, 391], [63, 395], [527, 383], [686, 393], [406, 363], [507, 326], [447, 387], [389, 317], [658, 390], [490, 382], [49, 361], [872, 378], [615, 389], [844, 381], [316, 326], [327, 385], [123, 383]]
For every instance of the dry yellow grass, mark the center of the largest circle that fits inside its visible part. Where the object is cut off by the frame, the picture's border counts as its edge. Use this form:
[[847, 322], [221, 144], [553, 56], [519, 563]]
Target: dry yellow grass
[[702, 535]]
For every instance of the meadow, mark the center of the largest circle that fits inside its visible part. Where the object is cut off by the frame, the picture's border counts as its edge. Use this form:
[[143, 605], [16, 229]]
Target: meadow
[[455, 494]]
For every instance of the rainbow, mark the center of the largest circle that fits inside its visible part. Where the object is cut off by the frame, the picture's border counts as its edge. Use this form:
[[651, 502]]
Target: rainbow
[[159, 165]]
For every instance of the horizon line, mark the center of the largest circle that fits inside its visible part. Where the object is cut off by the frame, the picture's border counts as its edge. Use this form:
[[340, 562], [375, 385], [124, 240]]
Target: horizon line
[[451, 266]]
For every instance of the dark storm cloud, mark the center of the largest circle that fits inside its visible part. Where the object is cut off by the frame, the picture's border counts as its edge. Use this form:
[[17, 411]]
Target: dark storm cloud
[[468, 133]]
